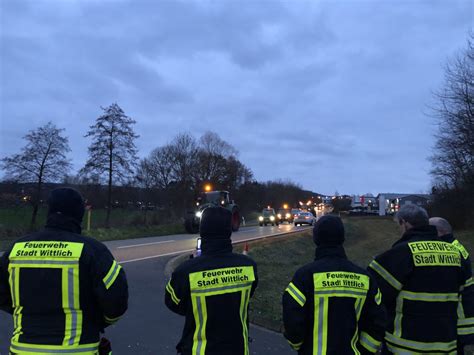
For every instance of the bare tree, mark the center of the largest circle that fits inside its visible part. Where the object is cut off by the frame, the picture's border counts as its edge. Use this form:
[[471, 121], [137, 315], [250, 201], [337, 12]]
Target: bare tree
[[145, 180], [43, 159], [184, 150], [212, 158], [160, 164], [453, 158], [112, 152]]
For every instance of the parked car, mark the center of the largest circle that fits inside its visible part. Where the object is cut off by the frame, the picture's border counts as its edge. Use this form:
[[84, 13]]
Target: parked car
[[304, 218], [294, 212], [268, 216]]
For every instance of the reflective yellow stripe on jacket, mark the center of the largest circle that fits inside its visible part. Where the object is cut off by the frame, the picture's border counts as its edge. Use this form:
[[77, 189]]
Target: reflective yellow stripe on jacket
[[398, 345], [369, 343], [379, 269], [50, 255], [297, 295], [111, 276], [336, 284], [35, 349], [217, 282]]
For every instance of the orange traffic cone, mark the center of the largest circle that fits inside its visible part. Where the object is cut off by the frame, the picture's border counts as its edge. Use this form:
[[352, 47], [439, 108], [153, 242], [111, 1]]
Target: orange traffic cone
[[246, 249]]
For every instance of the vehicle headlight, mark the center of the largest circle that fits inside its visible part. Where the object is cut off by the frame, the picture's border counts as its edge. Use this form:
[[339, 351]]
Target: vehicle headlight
[[198, 214], [288, 215], [260, 218], [279, 215], [272, 218]]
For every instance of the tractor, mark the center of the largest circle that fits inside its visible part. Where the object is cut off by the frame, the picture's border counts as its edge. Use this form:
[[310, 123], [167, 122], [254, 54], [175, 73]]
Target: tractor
[[211, 198]]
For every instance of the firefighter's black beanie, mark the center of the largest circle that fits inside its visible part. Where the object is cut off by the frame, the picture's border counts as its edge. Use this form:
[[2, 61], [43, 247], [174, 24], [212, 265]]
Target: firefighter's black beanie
[[328, 231], [216, 223], [66, 201]]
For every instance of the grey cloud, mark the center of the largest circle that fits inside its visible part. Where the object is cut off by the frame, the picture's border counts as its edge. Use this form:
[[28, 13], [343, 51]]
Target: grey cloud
[[327, 91]]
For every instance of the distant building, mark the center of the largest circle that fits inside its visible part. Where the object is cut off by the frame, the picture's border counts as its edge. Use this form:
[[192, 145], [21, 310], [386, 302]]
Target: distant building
[[367, 201], [390, 203]]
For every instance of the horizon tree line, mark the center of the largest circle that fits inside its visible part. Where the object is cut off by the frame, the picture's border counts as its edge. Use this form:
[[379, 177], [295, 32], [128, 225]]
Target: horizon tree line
[[177, 170]]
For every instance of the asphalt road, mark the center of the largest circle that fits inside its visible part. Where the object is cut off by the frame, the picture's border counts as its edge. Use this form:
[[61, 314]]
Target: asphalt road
[[149, 327]]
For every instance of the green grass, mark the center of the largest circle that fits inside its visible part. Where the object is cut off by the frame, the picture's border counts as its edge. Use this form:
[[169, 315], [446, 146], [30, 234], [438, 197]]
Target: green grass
[[279, 258], [126, 224], [20, 217]]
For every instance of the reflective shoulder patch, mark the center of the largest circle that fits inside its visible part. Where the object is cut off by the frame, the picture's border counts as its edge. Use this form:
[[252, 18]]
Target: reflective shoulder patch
[[112, 275], [46, 250], [221, 280], [340, 283], [434, 253], [461, 248], [297, 295]]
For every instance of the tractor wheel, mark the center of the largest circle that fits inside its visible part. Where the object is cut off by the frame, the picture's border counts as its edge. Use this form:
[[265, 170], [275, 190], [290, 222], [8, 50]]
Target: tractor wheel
[[235, 219]]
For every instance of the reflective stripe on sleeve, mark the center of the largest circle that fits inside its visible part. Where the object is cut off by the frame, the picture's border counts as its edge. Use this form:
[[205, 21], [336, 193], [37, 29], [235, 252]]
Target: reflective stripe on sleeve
[[460, 247], [297, 295], [295, 346], [465, 322], [369, 343], [469, 282], [466, 331], [111, 275], [170, 290], [421, 346], [386, 275], [112, 320]]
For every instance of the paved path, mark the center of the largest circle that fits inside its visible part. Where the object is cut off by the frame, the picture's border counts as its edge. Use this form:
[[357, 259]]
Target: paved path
[[149, 327]]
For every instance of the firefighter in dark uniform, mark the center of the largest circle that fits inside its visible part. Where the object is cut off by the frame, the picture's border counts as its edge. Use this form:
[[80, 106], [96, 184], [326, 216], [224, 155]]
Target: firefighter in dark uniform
[[62, 288], [466, 304], [213, 291], [332, 306], [421, 279]]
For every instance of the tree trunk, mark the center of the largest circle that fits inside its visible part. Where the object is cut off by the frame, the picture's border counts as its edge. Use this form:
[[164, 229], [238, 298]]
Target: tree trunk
[[109, 201], [109, 192], [36, 202]]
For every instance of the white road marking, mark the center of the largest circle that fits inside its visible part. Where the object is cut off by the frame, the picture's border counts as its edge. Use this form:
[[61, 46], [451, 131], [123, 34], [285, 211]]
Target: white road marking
[[188, 250], [139, 245], [154, 256]]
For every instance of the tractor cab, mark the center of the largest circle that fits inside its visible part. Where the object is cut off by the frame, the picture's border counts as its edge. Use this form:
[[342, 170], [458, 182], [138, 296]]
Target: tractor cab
[[207, 199], [220, 198]]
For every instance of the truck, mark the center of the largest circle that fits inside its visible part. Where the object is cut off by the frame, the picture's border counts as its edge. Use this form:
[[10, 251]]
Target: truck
[[192, 218]]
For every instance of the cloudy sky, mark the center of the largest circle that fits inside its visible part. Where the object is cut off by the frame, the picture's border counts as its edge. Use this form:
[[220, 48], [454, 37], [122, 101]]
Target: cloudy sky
[[330, 94]]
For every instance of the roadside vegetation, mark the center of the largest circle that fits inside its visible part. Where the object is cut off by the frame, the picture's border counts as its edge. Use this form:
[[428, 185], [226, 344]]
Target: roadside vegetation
[[279, 258], [125, 224]]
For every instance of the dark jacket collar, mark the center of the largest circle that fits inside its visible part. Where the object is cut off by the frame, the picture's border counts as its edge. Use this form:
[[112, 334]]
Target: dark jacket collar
[[60, 221], [216, 246], [448, 238], [424, 232], [330, 251]]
